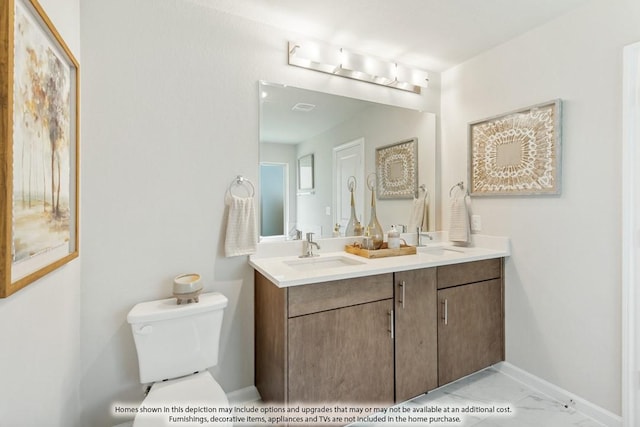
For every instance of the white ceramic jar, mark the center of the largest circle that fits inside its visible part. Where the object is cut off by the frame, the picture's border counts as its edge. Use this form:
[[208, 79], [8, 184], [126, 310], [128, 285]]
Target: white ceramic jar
[[393, 238]]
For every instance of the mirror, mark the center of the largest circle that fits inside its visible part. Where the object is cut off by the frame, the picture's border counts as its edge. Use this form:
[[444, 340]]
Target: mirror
[[319, 142]]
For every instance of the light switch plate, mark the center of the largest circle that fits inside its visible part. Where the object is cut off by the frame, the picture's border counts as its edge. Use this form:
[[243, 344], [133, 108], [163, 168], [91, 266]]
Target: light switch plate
[[476, 223]]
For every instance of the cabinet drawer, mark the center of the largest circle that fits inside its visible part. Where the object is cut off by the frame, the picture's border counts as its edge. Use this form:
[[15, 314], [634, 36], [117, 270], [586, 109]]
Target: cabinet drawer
[[469, 272], [307, 299]]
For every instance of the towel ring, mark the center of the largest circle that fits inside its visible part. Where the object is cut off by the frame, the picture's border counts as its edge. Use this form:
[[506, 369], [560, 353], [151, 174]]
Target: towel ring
[[240, 181], [460, 185], [372, 180], [423, 188]]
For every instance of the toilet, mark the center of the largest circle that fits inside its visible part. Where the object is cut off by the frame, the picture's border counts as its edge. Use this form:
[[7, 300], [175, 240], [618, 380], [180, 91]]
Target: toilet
[[176, 343]]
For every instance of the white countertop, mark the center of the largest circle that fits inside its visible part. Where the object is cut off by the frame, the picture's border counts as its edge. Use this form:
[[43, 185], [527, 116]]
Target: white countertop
[[285, 269]]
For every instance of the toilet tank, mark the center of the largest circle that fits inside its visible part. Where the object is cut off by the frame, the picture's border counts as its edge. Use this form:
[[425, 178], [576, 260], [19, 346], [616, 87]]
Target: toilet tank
[[174, 340]]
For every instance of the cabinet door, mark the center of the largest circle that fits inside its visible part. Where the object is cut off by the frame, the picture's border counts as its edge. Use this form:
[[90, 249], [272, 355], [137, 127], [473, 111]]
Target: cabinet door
[[342, 355], [470, 329], [416, 331], [270, 319]]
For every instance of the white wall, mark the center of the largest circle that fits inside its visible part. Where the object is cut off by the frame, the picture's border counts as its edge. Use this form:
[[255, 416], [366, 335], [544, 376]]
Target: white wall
[[563, 279], [40, 324], [170, 110]]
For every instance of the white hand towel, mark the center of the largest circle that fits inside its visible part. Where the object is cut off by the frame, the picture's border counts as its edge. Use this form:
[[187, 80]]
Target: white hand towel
[[459, 229], [425, 213], [241, 237], [417, 215]]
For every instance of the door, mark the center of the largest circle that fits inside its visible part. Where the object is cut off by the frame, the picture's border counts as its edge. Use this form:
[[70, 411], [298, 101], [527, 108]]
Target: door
[[470, 329], [630, 241], [416, 333], [342, 355], [348, 160]]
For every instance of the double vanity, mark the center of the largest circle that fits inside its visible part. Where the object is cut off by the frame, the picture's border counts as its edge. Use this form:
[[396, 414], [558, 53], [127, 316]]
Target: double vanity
[[343, 328]]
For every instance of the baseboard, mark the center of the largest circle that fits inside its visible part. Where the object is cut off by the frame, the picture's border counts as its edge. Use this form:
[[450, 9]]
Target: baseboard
[[567, 398], [244, 395]]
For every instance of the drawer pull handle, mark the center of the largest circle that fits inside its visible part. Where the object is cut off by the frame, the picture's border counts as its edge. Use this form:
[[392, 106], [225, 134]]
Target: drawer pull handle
[[391, 323], [403, 287], [445, 311]]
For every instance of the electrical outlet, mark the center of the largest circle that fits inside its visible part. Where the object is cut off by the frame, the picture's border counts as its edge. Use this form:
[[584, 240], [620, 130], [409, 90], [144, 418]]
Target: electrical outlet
[[476, 223], [327, 210]]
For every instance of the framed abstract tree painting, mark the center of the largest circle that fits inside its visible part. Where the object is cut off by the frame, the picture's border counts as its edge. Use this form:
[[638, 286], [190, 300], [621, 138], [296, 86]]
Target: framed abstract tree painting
[[39, 159]]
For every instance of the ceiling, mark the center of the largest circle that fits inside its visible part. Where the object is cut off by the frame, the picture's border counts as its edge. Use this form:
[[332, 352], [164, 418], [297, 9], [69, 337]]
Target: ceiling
[[433, 35], [280, 123], [430, 34]]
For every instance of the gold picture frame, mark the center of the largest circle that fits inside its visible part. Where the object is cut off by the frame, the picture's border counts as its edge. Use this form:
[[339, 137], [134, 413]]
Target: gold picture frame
[[397, 170], [39, 158], [518, 153]]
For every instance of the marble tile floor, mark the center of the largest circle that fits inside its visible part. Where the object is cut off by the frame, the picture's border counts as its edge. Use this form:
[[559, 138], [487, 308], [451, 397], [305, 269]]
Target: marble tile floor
[[491, 389]]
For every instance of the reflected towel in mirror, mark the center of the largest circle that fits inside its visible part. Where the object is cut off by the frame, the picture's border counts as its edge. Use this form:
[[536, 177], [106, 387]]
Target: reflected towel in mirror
[[242, 236], [419, 215]]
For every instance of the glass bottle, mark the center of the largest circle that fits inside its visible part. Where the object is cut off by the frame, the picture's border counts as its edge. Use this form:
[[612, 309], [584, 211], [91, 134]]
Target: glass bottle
[[353, 226], [358, 229], [375, 229]]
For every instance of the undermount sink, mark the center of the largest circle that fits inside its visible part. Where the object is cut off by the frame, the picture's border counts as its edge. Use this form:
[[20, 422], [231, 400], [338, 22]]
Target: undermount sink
[[317, 263], [440, 251]]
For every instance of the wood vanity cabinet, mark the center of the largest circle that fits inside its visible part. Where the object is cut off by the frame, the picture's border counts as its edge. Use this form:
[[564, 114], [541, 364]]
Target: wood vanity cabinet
[[416, 354], [377, 339], [325, 342], [471, 318]]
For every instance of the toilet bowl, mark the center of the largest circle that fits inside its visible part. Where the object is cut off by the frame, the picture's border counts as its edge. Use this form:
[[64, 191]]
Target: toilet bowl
[[187, 401], [175, 344]]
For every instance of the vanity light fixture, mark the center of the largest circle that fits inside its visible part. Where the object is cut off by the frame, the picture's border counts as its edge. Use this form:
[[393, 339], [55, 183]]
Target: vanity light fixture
[[342, 62]]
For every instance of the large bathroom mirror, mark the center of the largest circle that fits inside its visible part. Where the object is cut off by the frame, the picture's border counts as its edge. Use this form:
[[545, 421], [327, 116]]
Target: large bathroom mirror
[[334, 139]]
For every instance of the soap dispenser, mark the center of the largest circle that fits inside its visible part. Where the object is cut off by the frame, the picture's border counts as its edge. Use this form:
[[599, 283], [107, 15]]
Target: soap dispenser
[[393, 238]]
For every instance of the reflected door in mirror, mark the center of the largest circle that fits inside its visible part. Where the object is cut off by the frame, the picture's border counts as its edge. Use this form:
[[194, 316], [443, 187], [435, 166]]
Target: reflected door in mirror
[[273, 200], [348, 161]]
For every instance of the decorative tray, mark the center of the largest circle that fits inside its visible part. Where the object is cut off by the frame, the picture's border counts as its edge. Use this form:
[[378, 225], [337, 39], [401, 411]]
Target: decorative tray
[[356, 249]]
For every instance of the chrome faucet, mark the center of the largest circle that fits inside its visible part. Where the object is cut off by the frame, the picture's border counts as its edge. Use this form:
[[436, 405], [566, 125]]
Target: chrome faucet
[[419, 236], [308, 247]]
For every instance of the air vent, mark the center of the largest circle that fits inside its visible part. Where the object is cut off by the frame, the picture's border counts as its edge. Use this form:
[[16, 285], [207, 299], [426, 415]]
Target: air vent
[[301, 106]]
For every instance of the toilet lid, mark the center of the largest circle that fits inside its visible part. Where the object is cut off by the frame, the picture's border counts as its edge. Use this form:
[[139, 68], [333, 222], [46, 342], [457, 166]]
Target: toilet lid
[[192, 400]]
